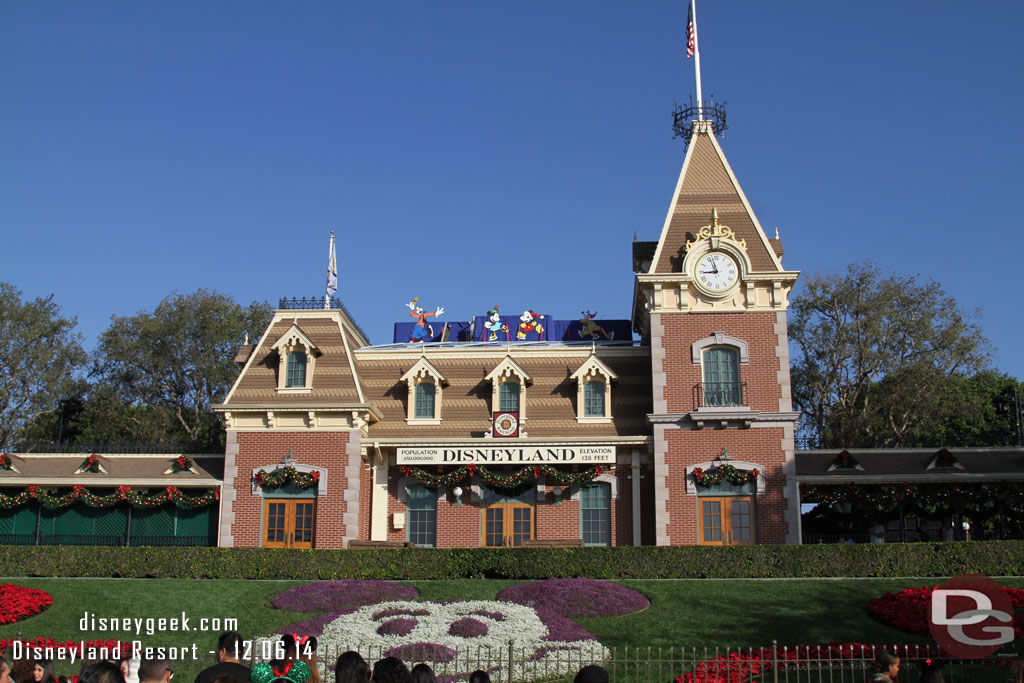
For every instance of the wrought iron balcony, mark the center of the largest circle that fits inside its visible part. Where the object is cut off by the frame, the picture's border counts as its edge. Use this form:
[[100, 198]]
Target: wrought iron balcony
[[721, 394], [318, 302]]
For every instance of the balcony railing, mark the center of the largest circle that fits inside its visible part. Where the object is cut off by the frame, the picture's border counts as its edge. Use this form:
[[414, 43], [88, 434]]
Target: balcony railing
[[721, 394], [318, 302]]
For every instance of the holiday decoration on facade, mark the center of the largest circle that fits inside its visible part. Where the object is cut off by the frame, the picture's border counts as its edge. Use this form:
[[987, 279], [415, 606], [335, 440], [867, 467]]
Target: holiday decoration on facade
[[285, 476], [6, 463], [90, 465], [421, 331], [725, 472], [493, 325], [930, 500], [124, 494], [529, 324], [590, 329], [503, 481], [182, 463]]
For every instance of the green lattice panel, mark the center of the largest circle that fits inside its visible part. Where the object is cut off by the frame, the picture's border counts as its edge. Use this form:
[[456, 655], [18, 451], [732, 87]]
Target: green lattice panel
[[196, 522], [20, 520], [153, 521]]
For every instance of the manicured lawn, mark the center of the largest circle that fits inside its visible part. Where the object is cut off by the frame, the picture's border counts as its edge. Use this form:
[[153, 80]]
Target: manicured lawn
[[684, 613]]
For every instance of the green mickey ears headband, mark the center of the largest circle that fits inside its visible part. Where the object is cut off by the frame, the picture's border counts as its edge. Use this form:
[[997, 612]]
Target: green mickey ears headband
[[293, 672]]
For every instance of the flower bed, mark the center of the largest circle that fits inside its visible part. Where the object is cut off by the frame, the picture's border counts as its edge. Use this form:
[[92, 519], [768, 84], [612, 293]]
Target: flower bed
[[908, 609], [336, 598], [577, 597], [18, 602]]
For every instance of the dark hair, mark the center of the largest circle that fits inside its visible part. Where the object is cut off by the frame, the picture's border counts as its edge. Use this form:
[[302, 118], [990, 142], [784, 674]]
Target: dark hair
[[47, 665], [101, 672], [225, 678], [479, 676], [883, 661], [351, 668], [422, 673], [591, 674], [153, 669], [231, 643], [391, 670]]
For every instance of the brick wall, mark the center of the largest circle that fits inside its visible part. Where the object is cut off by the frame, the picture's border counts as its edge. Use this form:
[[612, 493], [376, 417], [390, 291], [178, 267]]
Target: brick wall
[[320, 449]]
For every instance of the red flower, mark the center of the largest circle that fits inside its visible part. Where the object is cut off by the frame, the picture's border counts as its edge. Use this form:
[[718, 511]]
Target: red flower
[[17, 602]]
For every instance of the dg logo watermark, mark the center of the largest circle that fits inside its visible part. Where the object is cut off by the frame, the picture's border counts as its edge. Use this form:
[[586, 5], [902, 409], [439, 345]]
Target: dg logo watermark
[[971, 616]]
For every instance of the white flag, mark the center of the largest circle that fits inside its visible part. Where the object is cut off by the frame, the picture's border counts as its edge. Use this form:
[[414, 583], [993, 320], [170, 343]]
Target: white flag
[[332, 270]]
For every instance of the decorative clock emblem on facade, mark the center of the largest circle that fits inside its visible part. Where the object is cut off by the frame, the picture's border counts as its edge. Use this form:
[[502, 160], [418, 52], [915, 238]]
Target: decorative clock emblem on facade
[[506, 424], [716, 271]]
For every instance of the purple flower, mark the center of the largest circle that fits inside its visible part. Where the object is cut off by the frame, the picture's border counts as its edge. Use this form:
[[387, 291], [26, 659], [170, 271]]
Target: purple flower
[[561, 628], [421, 652], [497, 616], [468, 627], [576, 597], [340, 597], [397, 627]]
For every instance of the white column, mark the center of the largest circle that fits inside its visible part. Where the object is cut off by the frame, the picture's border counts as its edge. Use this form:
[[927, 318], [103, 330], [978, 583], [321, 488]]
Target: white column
[[637, 527], [379, 519]]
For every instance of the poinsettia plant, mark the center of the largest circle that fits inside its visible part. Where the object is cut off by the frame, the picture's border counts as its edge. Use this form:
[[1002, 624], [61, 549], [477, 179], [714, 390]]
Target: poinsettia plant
[[18, 602]]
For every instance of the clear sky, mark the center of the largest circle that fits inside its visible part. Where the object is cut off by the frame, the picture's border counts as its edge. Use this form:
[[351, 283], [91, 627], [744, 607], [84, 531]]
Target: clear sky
[[482, 153]]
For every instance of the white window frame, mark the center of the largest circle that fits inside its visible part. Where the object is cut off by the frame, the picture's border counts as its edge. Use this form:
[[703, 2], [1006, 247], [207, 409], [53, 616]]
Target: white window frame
[[505, 371], [295, 341], [423, 372], [591, 370]]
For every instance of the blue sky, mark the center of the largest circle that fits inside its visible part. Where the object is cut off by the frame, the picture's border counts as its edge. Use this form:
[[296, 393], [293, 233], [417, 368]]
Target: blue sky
[[482, 153]]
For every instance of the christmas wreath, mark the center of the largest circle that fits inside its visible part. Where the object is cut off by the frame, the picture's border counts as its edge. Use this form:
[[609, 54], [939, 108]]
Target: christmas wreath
[[90, 464], [6, 463], [504, 481], [722, 473], [182, 463], [287, 475]]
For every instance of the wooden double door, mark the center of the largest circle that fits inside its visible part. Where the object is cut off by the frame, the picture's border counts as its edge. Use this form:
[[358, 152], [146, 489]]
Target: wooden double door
[[506, 524], [726, 520], [289, 522]]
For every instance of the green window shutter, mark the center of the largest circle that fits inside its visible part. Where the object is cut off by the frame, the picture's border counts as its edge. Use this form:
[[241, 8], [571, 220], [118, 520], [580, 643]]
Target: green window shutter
[[296, 370], [421, 516], [593, 399], [424, 400], [508, 396], [721, 376], [596, 514]]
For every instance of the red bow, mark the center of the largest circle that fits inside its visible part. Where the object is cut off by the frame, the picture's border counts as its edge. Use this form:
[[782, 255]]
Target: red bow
[[282, 674], [300, 640]]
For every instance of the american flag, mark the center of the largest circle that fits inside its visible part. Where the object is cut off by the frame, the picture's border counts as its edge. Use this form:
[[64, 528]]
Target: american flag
[[691, 31]]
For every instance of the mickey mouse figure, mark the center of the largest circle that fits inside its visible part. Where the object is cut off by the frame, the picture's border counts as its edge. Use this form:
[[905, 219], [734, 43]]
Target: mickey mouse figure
[[421, 331], [528, 322], [493, 325]]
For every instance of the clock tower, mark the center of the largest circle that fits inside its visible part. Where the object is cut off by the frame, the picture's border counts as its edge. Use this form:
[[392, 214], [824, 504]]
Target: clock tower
[[710, 297]]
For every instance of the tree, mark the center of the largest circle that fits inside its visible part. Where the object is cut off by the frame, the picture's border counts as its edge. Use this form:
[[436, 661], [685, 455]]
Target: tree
[[875, 355], [180, 357], [973, 411], [39, 356]]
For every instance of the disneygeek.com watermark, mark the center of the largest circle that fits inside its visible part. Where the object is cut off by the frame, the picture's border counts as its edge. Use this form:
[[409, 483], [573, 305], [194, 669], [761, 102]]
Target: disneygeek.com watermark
[[971, 616], [151, 626]]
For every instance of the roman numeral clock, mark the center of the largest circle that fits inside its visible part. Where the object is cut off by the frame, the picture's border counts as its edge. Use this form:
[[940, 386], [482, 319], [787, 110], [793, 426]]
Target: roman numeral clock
[[713, 260]]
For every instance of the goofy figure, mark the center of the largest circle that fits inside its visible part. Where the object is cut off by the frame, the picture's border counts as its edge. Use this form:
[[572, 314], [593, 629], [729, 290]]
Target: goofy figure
[[421, 331]]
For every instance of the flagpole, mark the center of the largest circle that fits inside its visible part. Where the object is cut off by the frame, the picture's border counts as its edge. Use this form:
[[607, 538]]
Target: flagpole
[[332, 274], [696, 61]]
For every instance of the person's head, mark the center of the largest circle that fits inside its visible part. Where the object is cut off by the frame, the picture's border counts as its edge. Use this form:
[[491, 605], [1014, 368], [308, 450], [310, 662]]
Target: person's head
[[351, 668], [155, 671], [101, 672], [422, 673], [288, 645], [1017, 671], [391, 670], [229, 647], [226, 678], [42, 671], [5, 671], [479, 676], [123, 664], [887, 663], [591, 674]]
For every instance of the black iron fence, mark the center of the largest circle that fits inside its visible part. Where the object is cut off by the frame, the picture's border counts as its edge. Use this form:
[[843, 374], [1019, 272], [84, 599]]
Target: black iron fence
[[721, 394], [319, 302]]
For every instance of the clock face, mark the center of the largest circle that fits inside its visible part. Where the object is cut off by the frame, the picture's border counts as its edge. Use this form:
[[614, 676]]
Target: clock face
[[717, 272]]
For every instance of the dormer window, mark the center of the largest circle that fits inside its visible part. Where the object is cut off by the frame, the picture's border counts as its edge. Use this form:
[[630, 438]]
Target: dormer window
[[593, 391], [425, 384], [296, 358], [508, 389]]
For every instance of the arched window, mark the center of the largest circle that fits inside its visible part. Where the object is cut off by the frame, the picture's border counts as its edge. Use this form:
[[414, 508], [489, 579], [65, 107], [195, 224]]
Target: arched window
[[593, 399], [596, 513], [296, 370], [424, 400], [508, 396], [721, 377], [421, 508]]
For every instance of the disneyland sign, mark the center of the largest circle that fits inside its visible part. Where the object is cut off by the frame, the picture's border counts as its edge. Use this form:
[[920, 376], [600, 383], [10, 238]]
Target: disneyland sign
[[504, 455]]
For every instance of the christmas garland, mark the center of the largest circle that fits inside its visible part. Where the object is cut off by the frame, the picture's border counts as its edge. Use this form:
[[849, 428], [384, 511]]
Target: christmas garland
[[123, 494], [494, 479], [724, 472], [287, 475], [90, 464], [182, 463], [6, 464]]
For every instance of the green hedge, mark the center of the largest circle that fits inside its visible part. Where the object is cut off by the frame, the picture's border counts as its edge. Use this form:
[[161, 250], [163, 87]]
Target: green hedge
[[994, 558]]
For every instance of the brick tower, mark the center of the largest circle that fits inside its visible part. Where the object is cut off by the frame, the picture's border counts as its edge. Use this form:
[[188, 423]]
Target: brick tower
[[711, 298]]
